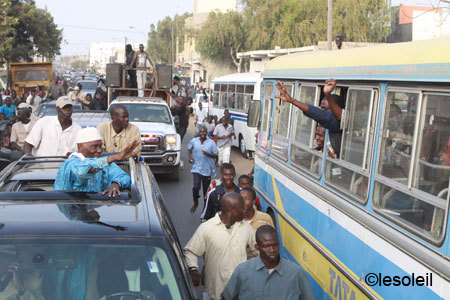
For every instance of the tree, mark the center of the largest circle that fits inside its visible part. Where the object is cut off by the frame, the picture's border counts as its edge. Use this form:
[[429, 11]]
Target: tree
[[27, 31], [162, 38], [222, 37]]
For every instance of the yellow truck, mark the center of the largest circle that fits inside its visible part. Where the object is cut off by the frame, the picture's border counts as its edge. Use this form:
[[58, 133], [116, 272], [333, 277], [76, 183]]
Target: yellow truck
[[25, 76]]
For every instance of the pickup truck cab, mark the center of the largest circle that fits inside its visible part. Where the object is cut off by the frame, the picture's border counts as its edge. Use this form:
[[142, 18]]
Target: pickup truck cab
[[161, 144]]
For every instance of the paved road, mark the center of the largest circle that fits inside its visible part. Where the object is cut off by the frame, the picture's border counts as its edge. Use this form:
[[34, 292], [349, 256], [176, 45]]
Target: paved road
[[178, 195]]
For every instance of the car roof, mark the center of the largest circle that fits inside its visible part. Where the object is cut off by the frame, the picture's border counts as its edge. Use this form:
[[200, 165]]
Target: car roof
[[54, 213]]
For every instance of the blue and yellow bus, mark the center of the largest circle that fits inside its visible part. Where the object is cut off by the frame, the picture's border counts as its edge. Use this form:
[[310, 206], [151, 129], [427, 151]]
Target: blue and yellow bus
[[372, 223]]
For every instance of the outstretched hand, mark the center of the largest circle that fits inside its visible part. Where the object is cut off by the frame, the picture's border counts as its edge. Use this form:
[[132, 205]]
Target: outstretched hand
[[129, 151], [330, 84], [283, 93]]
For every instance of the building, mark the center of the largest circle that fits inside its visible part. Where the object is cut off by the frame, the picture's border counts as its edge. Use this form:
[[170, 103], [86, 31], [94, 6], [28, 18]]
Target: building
[[191, 65], [101, 54], [413, 23]]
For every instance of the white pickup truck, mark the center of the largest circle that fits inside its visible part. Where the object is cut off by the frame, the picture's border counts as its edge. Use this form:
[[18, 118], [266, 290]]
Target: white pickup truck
[[161, 144]]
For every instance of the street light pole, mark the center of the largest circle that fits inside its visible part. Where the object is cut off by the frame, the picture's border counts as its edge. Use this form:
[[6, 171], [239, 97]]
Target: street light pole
[[330, 24]]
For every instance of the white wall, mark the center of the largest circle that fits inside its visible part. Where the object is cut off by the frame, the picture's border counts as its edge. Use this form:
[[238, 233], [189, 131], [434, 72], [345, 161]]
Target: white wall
[[430, 25], [206, 6]]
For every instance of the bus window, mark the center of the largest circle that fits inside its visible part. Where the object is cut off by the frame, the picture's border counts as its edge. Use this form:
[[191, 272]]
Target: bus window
[[351, 173], [239, 104], [239, 89], [217, 87], [433, 165], [412, 183], [302, 154], [249, 89], [398, 130], [216, 98], [247, 100], [280, 141], [266, 116]]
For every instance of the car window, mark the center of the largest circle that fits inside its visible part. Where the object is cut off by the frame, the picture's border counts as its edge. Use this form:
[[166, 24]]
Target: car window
[[49, 109], [92, 271], [148, 112], [89, 85]]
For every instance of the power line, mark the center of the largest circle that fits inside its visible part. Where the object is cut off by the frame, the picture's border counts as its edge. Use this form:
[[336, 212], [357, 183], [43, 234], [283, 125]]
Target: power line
[[102, 29]]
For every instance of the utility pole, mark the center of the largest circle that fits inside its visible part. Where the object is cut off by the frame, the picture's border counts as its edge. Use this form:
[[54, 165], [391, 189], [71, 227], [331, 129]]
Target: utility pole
[[171, 48], [330, 24]]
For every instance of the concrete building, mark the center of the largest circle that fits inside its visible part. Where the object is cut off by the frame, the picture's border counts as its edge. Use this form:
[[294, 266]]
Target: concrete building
[[101, 54], [413, 23], [196, 68]]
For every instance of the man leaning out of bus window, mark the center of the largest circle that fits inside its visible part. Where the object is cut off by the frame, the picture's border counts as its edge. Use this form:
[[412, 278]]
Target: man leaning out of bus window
[[330, 120]]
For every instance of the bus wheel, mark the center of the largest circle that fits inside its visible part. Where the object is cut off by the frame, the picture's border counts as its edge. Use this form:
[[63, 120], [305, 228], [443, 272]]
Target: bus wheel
[[242, 147]]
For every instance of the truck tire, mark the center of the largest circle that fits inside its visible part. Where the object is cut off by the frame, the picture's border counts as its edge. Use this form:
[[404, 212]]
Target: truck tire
[[175, 175]]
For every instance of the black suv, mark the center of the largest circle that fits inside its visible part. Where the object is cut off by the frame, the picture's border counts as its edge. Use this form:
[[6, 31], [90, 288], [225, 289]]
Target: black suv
[[76, 245]]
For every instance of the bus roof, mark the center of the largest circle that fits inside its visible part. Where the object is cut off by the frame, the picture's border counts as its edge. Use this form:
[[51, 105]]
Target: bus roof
[[427, 61], [238, 78]]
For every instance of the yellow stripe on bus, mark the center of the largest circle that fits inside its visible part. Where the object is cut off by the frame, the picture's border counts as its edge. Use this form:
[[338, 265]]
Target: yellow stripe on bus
[[333, 282]]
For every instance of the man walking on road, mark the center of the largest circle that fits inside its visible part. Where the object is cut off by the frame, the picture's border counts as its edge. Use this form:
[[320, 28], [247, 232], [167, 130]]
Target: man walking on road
[[268, 276], [202, 154], [223, 133], [223, 241], [212, 205]]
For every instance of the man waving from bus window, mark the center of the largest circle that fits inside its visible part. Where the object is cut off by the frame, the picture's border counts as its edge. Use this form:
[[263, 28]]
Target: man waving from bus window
[[330, 120]]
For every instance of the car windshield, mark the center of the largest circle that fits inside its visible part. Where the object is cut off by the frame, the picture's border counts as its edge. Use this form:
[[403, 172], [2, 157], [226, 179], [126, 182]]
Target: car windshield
[[90, 271], [89, 85], [148, 112], [31, 75], [50, 110]]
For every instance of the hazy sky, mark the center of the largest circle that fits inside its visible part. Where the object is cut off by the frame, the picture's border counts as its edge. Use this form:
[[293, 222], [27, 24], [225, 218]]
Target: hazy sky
[[90, 21]]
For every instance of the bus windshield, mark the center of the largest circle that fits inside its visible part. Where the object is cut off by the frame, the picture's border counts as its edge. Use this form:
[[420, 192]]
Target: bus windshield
[[90, 271]]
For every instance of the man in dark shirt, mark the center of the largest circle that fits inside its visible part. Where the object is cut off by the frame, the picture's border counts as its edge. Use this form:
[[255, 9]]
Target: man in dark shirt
[[227, 185], [129, 52], [330, 120], [179, 110]]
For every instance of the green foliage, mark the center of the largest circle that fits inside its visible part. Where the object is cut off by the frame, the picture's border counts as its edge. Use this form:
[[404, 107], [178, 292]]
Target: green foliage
[[27, 30], [223, 36], [264, 24], [160, 40]]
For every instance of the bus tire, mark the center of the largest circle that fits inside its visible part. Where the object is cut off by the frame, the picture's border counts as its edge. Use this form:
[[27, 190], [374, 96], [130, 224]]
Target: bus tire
[[242, 147]]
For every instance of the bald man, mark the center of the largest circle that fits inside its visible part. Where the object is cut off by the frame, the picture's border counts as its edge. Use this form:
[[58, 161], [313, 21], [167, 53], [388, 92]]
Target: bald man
[[87, 171], [118, 133], [223, 240]]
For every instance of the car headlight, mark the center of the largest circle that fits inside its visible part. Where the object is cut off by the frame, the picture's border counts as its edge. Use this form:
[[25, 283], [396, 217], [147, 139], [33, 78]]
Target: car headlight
[[171, 142]]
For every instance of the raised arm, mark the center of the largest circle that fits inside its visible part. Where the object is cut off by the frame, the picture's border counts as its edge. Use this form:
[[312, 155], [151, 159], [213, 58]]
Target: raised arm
[[330, 84], [287, 98]]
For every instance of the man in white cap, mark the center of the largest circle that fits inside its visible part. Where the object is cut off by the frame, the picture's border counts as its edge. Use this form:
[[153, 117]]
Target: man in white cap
[[87, 171], [54, 135], [24, 105]]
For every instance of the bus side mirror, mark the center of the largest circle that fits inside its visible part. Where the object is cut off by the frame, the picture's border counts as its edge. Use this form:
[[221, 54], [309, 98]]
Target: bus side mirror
[[254, 111]]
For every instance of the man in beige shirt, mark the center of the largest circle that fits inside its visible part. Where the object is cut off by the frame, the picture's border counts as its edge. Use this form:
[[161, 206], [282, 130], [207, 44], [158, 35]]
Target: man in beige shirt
[[252, 216], [79, 96], [21, 129], [223, 241], [119, 133]]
